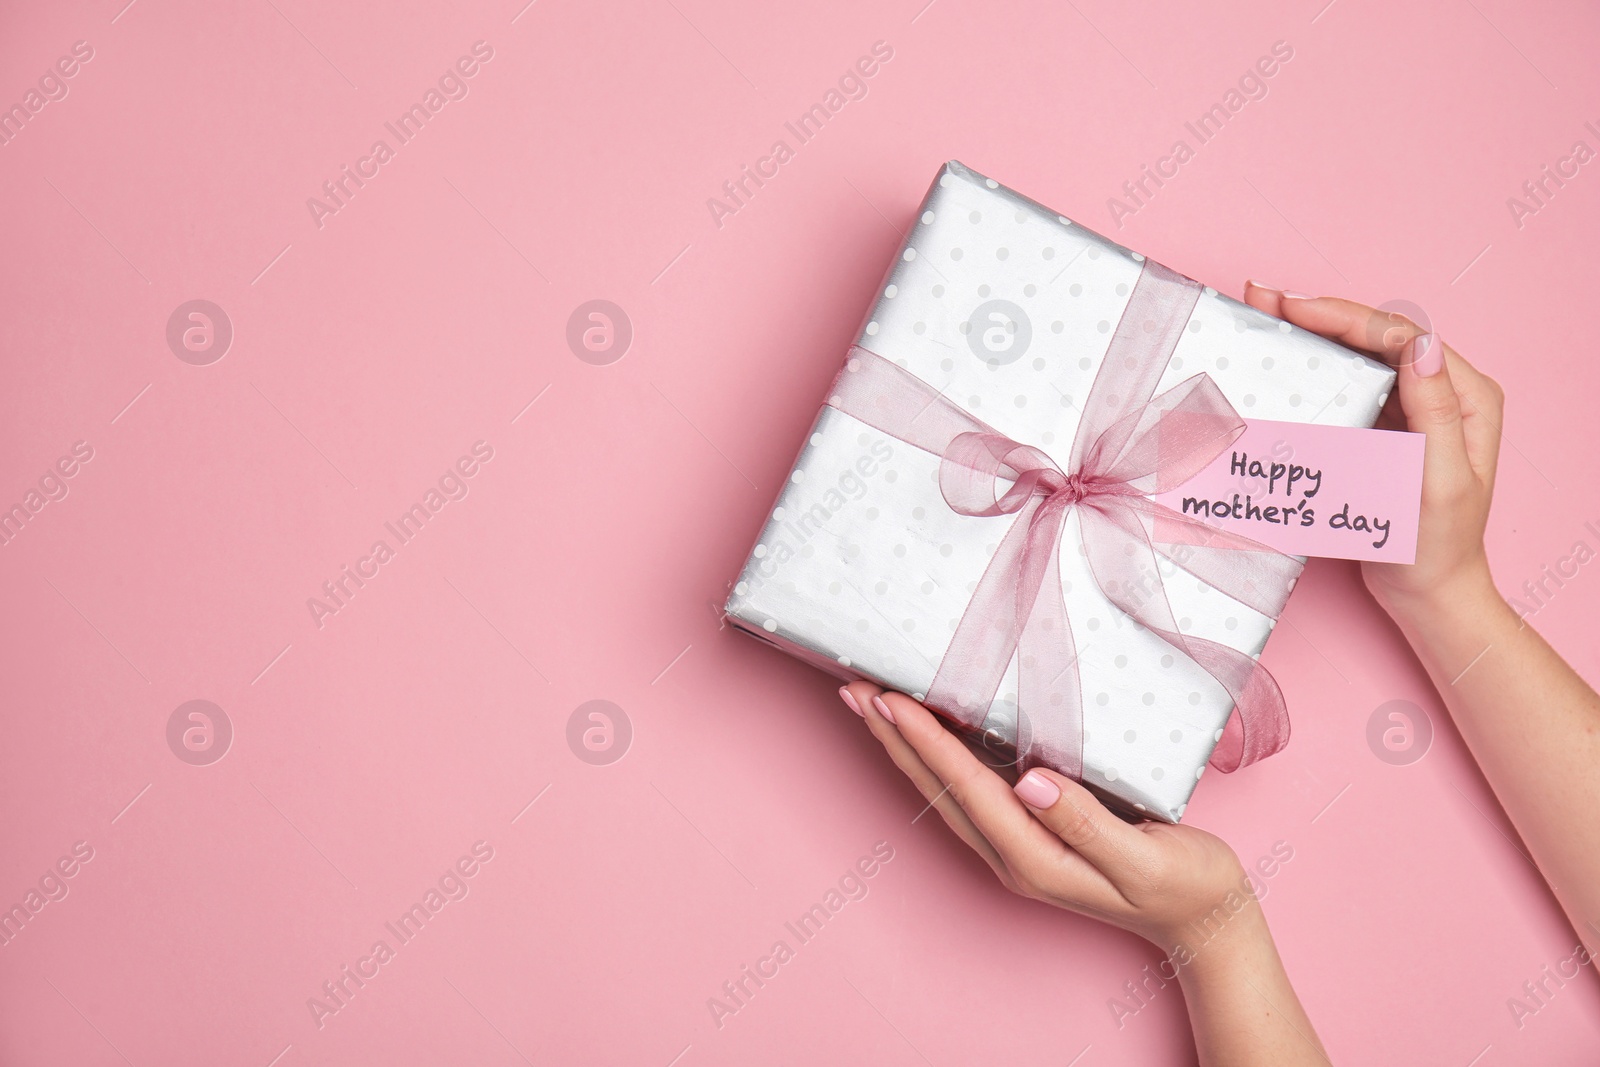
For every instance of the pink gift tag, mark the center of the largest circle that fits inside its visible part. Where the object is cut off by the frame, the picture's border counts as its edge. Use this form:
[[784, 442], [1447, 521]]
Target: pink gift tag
[[1336, 491]]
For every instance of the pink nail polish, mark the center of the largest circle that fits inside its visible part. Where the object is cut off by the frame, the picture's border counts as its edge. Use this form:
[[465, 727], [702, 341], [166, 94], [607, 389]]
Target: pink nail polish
[[883, 709], [1427, 355], [1258, 285], [1037, 791], [850, 702], [1293, 295]]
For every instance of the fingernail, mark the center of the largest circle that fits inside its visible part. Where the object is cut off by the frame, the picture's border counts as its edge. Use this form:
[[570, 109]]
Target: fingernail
[[1427, 355], [850, 701], [1292, 295], [1037, 791], [883, 709], [1258, 285]]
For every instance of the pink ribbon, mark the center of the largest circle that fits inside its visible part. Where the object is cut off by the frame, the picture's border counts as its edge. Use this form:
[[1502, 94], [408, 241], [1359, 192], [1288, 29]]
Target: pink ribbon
[[1130, 444]]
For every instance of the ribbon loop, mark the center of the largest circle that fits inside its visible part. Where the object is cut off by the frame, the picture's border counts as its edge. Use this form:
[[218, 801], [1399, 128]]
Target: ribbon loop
[[1130, 444]]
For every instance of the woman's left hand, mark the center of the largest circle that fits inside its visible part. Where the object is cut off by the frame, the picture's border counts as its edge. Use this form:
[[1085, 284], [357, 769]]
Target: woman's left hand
[[1050, 839]]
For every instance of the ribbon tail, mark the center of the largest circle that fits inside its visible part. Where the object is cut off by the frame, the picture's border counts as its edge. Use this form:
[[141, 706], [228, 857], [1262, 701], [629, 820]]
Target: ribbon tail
[[987, 634], [1048, 679], [1122, 557]]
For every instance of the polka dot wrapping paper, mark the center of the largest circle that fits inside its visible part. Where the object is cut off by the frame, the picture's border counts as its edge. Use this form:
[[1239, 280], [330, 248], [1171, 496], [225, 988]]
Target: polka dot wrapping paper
[[1007, 309]]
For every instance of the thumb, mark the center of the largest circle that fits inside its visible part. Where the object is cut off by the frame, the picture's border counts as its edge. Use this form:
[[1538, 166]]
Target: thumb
[[1428, 398], [1073, 814]]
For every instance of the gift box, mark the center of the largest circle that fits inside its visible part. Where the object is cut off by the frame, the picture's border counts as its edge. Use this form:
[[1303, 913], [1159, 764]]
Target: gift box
[[969, 518]]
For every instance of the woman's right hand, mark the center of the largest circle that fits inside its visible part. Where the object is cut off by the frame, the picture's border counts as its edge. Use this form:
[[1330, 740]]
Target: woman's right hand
[[1457, 408]]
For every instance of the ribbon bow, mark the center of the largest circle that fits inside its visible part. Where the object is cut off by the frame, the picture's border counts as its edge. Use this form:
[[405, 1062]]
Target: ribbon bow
[[1130, 444]]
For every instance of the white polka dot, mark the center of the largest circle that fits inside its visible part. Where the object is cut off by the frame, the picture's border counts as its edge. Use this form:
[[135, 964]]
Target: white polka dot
[[974, 401], [1177, 362], [1240, 326], [1231, 623], [919, 696], [1210, 291], [1130, 736], [1122, 288], [771, 626], [983, 290], [1140, 807], [761, 551], [909, 624], [1157, 773], [1381, 399], [881, 588], [1176, 735], [1029, 289], [1149, 699], [1102, 699], [991, 183], [798, 476], [927, 587], [892, 292], [909, 254], [1094, 251], [899, 550], [844, 661], [1249, 400], [1222, 362], [955, 253], [1121, 661], [938, 290], [741, 589], [834, 588], [1110, 774], [1103, 326], [1313, 362], [1194, 698], [1294, 400], [1137, 258], [1075, 289], [1217, 736], [1183, 623], [927, 217], [1340, 400], [1198, 771], [1048, 253], [946, 180], [1001, 253], [816, 439], [945, 550], [1063, 220], [778, 513], [1194, 326], [1166, 661], [917, 513], [1284, 327]]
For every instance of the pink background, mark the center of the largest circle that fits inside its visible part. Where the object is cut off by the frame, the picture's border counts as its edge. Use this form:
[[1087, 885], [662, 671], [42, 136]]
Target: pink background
[[590, 556]]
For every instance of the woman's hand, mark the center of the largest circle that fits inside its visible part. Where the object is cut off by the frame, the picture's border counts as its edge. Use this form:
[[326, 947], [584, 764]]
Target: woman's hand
[[1181, 888], [1458, 409], [1050, 839]]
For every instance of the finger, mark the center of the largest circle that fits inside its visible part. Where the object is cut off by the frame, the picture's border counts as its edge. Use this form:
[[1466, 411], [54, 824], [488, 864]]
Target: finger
[[1482, 415], [933, 790], [1432, 408], [1384, 334], [1039, 858], [1263, 298], [1119, 851]]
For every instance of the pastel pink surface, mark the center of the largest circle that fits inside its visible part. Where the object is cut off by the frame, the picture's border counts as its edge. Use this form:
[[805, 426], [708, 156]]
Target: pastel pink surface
[[586, 560], [1311, 476]]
